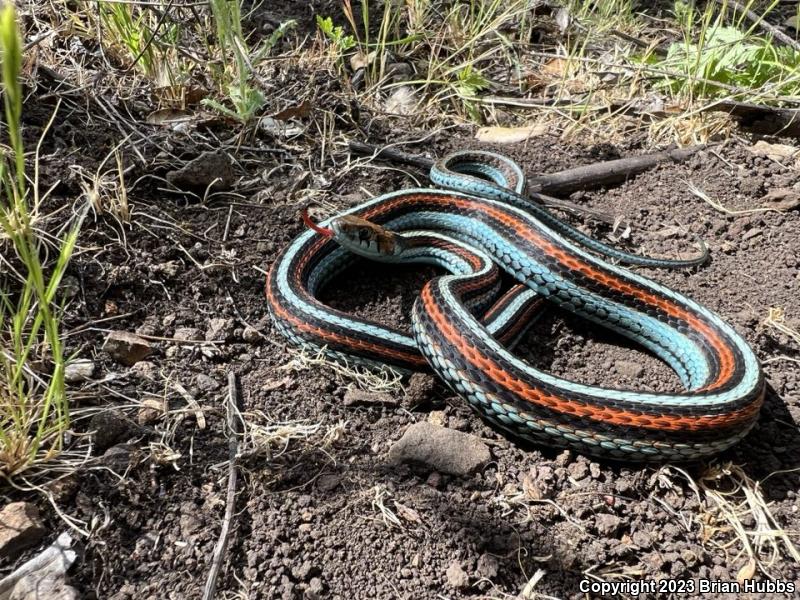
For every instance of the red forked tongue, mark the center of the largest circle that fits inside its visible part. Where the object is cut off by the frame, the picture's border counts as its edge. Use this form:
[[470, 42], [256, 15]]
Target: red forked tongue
[[326, 231]]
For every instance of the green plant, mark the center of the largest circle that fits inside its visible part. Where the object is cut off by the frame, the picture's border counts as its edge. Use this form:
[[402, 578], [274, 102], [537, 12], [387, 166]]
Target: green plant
[[341, 43], [34, 411], [235, 77]]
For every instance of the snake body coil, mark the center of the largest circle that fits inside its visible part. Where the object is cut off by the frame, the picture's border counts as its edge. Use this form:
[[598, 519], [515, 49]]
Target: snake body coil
[[465, 333]]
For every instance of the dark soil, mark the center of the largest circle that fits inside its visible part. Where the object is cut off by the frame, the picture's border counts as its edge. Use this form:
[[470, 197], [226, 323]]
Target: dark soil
[[305, 524]]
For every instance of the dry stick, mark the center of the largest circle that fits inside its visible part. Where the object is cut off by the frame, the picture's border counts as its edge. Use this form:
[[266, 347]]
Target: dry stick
[[610, 171], [759, 118], [232, 406], [561, 182], [759, 20]]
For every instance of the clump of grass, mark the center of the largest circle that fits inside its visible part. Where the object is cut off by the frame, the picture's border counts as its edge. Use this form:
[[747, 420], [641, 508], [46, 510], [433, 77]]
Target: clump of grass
[[34, 412], [736, 518], [148, 41], [239, 61], [458, 48]]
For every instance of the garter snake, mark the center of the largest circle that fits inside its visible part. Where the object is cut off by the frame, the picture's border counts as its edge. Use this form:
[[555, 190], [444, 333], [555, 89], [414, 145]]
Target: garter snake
[[482, 224]]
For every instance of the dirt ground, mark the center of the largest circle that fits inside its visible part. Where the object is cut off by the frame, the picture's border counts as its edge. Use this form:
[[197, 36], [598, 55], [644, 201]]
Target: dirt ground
[[308, 522]]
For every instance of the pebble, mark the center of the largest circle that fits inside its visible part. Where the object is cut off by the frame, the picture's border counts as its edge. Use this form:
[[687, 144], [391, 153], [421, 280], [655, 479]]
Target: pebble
[[629, 368], [20, 528], [188, 334], [251, 335], [442, 449], [79, 370], [127, 348], [607, 524], [219, 330]]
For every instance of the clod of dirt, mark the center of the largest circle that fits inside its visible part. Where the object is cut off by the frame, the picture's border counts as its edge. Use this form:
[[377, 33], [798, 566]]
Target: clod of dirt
[[488, 567], [206, 383], [118, 458], [354, 396], [20, 528], [442, 449], [127, 348], [211, 171], [219, 330], [79, 370], [109, 427], [607, 524], [419, 389], [629, 368], [456, 577]]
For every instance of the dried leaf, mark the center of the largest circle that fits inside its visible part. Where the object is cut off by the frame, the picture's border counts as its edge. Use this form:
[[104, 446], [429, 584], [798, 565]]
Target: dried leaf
[[294, 112], [509, 135], [746, 572], [407, 513], [359, 60]]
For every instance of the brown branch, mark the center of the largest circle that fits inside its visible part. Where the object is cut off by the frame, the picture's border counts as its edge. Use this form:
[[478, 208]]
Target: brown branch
[[758, 118], [605, 173]]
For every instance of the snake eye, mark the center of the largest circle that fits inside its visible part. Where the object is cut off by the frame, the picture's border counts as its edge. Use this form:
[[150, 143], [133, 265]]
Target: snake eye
[[363, 235]]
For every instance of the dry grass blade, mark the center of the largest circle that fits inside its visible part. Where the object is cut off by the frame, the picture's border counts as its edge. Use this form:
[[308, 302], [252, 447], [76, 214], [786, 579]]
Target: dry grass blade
[[737, 519], [385, 379], [697, 191], [777, 320]]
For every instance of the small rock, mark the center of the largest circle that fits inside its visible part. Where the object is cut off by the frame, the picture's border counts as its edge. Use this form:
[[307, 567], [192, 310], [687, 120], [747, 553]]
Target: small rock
[[188, 334], [419, 389], [642, 539], [79, 370], [219, 330], [20, 528], [751, 233], [145, 369], [594, 470], [47, 578], [487, 567], [629, 369], [442, 449], [607, 524], [251, 335], [329, 482], [127, 348], [150, 412], [210, 170], [456, 577], [109, 427], [206, 384], [354, 396], [578, 470]]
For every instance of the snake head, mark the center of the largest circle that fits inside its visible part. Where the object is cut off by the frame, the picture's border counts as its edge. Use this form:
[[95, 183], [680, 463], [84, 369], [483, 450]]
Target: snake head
[[366, 238]]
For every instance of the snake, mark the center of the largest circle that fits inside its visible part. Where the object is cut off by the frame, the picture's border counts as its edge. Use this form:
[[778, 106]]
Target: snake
[[481, 228]]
